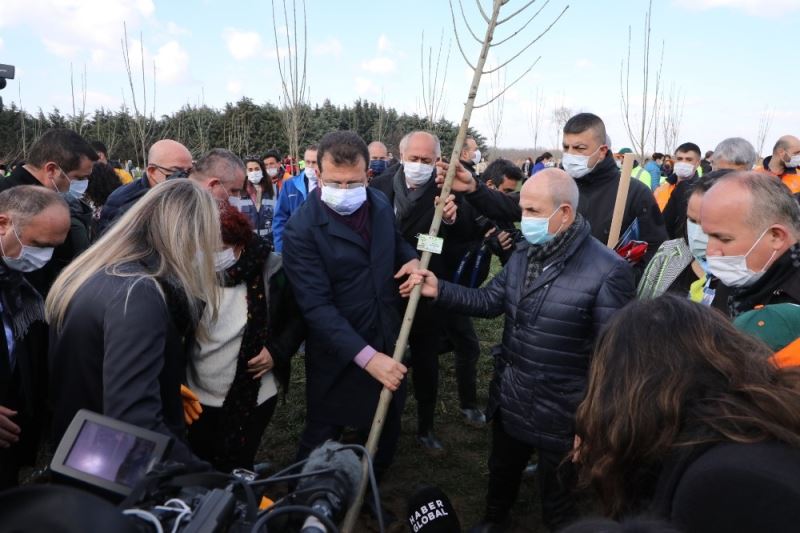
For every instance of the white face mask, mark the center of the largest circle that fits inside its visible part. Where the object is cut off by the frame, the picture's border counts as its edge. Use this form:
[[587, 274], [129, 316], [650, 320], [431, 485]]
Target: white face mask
[[417, 173], [255, 176], [224, 260], [30, 257], [683, 169], [576, 165], [794, 162], [311, 174], [732, 269], [550, 164], [272, 172], [476, 157], [698, 241], [344, 201]]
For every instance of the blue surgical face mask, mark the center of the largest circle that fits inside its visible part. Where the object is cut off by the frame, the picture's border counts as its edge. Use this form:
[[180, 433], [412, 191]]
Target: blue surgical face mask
[[698, 241], [534, 229], [77, 188], [30, 258], [377, 166]]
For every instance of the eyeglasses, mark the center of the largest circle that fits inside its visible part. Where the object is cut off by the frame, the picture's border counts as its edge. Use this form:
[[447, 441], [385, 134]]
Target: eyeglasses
[[334, 185], [173, 173]]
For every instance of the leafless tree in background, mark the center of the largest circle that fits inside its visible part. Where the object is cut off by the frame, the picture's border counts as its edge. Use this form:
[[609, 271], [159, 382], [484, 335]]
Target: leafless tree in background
[[143, 120], [561, 114], [536, 118], [640, 127], [497, 81], [292, 71], [764, 125], [78, 118], [432, 76], [671, 118]]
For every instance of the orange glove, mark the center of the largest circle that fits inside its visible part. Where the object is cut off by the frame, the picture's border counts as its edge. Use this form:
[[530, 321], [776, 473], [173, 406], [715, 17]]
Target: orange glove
[[191, 405]]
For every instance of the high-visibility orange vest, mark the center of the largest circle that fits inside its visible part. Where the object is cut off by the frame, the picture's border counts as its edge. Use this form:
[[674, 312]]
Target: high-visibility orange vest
[[662, 194]]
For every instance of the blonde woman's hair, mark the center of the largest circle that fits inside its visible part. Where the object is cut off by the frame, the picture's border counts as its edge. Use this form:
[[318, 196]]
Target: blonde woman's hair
[[177, 224]]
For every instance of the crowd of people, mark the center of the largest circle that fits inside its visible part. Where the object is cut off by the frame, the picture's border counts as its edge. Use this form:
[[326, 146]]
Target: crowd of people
[[666, 380]]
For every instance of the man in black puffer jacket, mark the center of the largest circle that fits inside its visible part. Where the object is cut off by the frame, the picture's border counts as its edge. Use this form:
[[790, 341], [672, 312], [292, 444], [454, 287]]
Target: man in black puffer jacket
[[557, 292]]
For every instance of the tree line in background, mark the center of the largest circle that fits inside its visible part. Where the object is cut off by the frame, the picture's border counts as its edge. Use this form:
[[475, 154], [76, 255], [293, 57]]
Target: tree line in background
[[244, 128]]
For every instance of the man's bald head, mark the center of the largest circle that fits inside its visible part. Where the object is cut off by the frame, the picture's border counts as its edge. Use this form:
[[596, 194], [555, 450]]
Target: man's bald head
[[559, 185], [165, 158], [544, 195], [377, 151], [787, 142]]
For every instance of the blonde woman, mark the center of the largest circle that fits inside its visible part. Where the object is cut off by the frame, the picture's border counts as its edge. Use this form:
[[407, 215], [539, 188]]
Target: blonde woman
[[121, 315]]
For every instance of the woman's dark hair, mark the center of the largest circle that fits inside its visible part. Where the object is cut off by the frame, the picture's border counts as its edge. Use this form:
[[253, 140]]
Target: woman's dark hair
[[266, 183], [236, 228], [102, 182], [683, 377]]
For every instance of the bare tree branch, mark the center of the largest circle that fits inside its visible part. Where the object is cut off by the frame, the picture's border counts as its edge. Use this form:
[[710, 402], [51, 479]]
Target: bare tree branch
[[523, 26], [466, 23], [547, 29], [509, 85], [458, 41], [515, 13], [483, 13]]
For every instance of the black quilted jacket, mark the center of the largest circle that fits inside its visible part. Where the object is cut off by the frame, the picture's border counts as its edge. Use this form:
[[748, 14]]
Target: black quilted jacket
[[541, 372]]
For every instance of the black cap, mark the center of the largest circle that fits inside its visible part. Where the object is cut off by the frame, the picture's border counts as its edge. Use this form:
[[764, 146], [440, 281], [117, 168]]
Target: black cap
[[430, 511]]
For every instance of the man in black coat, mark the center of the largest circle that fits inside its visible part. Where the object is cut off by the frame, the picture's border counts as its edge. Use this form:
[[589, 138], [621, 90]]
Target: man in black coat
[[56, 159], [412, 191], [165, 159], [557, 292], [589, 161], [32, 220], [341, 251]]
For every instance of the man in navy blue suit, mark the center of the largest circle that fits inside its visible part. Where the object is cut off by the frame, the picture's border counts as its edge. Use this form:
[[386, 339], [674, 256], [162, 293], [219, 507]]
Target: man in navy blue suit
[[343, 254]]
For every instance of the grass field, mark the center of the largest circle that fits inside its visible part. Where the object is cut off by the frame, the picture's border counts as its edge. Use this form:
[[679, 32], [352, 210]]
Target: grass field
[[461, 472]]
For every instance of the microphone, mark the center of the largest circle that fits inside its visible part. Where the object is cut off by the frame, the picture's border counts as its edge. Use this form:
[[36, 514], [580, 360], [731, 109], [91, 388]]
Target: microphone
[[333, 492]]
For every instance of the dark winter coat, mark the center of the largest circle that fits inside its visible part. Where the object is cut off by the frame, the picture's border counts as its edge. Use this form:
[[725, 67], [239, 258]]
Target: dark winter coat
[[121, 352], [541, 373], [349, 298], [120, 201]]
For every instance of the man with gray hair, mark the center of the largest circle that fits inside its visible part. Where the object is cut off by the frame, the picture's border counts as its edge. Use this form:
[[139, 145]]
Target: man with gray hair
[[557, 292], [753, 225], [734, 153], [221, 172], [33, 221], [412, 191]]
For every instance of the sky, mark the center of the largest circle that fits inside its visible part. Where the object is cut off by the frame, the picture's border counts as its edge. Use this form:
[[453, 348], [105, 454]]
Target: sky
[[733, 60]]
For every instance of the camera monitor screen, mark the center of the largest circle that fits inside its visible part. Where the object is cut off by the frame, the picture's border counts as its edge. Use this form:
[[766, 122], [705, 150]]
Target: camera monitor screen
[[107, 453]]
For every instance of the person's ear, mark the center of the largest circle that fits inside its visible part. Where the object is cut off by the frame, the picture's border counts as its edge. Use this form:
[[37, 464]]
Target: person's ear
[[52, 169], [5, 224], [778, 236]]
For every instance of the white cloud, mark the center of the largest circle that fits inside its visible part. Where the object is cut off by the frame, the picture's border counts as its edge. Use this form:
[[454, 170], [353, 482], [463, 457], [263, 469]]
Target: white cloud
[[331, 47], [365, 86], [584, 63], [765, 8], [234, 87], [177, 31], [67, 27], [379, 65], [95, 99], [1, 43], [383, 43], [172, 63], [242, 44]]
